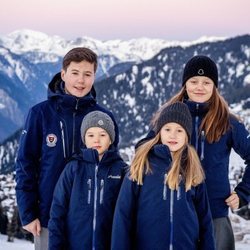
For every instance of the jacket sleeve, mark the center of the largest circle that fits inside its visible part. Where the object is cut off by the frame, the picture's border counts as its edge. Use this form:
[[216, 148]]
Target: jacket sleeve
[[206, 241], [59, 209], [241, 145], [123, 230], [27, 165]]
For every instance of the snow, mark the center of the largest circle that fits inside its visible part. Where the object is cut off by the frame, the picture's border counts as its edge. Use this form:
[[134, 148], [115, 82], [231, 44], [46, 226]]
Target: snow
[[16, 245], [27, 245], [25, 40]]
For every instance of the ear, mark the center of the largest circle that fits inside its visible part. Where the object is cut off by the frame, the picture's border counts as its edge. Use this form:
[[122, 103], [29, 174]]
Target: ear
[[63, 74]]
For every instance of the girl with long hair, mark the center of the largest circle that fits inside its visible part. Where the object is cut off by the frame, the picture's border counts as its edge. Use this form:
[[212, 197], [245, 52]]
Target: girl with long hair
[[163, 202]]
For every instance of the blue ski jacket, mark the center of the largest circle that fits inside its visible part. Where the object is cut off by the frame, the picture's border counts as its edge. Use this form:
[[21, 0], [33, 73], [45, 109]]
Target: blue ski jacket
[[215, 160], [50, 136], [84, 202], [152, 216]]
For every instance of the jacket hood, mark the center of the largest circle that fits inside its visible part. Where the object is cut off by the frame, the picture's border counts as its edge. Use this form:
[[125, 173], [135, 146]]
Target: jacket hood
[[160, 157], [56, 88]]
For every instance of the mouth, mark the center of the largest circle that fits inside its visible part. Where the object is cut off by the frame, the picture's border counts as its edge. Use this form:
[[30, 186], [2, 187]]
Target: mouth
[[79, 88], [172, 142]]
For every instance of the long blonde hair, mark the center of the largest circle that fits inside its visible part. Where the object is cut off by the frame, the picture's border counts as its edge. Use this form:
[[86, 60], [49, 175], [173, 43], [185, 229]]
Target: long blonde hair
[[216, 121], [185, 163]]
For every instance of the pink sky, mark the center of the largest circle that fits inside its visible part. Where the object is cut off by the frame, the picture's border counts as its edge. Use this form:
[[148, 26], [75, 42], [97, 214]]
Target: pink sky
[[127, 19]]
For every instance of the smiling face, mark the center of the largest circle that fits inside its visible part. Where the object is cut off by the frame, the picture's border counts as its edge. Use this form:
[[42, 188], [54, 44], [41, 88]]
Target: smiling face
[[78, 78], [199, 88], [174, 136], [97, 138]]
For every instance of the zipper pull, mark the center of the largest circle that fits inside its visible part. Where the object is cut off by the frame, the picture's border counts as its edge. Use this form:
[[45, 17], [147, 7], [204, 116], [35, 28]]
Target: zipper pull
[[89, 190], [179, 188], [164, 194], [202, 144], [101, 191], [76, 107], [63, 139]]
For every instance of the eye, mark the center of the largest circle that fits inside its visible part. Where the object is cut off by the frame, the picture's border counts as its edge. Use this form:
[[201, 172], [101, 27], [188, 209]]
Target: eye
[[207, 83], [90, 135], [179, 130]]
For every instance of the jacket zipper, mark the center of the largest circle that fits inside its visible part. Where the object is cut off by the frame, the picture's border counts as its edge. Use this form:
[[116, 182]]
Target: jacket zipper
[[196, 128], [95, 207], [63, 139], [89, 190], [101, 191], [171, 219], [74, 124]]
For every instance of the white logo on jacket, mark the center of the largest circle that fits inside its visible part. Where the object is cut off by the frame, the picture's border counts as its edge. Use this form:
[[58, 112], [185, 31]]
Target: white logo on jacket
[[114, 176]]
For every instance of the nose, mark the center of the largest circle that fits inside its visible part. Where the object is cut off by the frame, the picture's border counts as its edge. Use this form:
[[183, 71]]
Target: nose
[[172, 134], [96, 139], [81, 78], [200, 85]]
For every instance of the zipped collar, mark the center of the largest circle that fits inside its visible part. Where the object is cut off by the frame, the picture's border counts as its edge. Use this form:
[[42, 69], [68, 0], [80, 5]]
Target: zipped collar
[[196, 108], [91, 156], [64, 101]]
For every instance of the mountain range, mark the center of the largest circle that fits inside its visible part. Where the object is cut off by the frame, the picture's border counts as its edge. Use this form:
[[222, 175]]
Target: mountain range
[[133, 79]]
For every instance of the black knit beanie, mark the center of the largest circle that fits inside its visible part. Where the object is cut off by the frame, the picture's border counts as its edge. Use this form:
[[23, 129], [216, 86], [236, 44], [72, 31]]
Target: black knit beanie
[[177, 112], [98, 119], [200, 66]]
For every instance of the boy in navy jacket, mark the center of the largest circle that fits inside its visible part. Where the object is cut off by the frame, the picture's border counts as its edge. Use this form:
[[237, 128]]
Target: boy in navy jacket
[[50, 136], [86, 193]]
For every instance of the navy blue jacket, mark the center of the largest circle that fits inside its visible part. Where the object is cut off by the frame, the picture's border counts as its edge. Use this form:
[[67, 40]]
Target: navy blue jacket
[[152, 216], [215, 160], [51, 135], [84, 202]]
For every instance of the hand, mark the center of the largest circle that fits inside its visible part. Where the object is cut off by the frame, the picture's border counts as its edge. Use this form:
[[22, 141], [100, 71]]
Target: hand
[[33, 227], [233, 201]]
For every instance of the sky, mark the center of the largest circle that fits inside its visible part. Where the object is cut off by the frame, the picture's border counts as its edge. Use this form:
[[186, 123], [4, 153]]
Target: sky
[[179, 20]]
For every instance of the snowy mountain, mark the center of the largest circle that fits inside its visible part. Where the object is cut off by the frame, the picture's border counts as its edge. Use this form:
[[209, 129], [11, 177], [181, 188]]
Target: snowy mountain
[[143, 73]]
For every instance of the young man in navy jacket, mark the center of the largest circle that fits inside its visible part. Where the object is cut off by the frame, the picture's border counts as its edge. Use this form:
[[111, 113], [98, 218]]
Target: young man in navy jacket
[[50, 136]]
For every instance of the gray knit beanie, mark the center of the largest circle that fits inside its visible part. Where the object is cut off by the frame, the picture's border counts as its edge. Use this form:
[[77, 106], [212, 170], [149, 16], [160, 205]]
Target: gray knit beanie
[[98, 119], [177, 112]]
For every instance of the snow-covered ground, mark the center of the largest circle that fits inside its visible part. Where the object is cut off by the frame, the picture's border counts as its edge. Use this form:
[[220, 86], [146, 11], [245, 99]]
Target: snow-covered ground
[[16, 245], [26, 245]]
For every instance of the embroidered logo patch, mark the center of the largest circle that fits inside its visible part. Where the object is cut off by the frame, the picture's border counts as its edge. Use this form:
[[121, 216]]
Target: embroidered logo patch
[[100, 122], [201, 72], [51, 140]]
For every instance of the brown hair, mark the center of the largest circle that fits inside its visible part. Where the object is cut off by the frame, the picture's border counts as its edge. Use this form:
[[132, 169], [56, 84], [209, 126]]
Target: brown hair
[[185, 162], [78, 55], [216, 121]]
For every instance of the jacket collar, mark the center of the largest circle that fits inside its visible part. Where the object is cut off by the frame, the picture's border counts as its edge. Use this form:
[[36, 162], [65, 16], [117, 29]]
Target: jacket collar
[[56, 93], [197, 108]]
